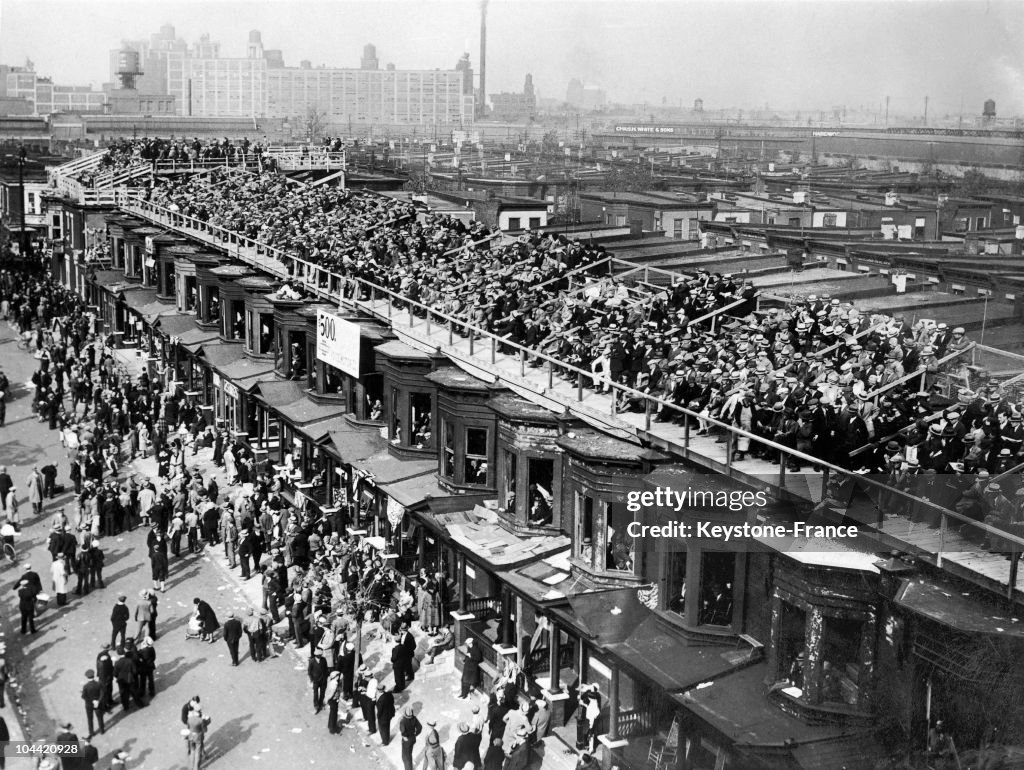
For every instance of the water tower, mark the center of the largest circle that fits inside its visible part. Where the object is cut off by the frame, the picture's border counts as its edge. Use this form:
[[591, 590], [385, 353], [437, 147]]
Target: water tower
[[128, 68], [989, 111]]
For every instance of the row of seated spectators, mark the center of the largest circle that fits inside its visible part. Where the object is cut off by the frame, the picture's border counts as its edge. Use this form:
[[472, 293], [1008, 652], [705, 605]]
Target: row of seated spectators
[[122, 154], [802, 376]]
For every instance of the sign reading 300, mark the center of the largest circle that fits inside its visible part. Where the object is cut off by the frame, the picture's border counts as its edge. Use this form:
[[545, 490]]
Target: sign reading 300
[[337, 342]]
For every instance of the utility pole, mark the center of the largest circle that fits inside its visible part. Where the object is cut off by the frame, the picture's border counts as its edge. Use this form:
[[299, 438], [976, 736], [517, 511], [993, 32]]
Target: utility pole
[[926, 110], [23, 240]]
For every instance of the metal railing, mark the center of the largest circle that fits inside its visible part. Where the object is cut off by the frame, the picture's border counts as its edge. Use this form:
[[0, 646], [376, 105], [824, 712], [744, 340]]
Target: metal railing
[[921, 371], [387, 305]]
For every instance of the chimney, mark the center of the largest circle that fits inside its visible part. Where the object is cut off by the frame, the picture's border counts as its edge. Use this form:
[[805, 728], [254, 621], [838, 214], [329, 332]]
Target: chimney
[[481, 108]]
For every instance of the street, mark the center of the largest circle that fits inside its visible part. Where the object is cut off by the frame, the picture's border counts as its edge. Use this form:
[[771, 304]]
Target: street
[[261, 712]]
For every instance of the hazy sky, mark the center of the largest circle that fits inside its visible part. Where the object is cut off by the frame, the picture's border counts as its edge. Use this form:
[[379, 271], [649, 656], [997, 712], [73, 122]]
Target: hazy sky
[[732, 53]]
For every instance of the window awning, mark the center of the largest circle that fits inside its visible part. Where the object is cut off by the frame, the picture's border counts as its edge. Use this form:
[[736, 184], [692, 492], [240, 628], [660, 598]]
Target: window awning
[[139, 297], [673, 662], [479, 532], [195, 339], [966, 611], [353, 444], [737, 707], [305, 410], [153, 310], [412, 492], [278, 392], [609, 616], [245, 372], [318, 430], [175, 325], [221, 353], [384, 468]]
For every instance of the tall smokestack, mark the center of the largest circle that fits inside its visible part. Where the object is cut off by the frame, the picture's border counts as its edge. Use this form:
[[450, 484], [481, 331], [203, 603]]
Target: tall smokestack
[[481, 107]]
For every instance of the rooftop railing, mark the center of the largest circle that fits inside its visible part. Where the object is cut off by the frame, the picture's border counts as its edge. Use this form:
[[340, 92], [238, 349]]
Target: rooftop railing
[[296, 159], [490, 356]]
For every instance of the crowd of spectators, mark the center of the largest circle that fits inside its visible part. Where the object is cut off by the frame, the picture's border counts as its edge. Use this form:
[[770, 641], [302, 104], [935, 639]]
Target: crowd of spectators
[[816, 376], [122, 154], [802, 376]]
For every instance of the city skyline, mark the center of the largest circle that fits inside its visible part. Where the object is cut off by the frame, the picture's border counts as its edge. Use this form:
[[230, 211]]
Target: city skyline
[[822, 54]]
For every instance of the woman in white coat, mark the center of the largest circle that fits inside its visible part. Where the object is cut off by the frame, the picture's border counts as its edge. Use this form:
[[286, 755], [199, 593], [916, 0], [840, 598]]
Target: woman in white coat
[[11, 503], [35, 490], [229, 465], [59, 573], [144, 441]]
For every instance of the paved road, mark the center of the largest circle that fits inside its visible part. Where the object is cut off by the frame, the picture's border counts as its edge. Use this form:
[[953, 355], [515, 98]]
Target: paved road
[[262, 713]]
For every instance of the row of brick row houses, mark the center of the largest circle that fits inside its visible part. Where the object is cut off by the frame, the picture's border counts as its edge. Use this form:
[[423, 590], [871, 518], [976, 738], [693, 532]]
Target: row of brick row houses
[[751, 652]]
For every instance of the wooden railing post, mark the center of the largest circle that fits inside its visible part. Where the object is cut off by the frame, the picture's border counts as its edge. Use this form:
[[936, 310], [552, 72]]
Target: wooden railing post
[[613, 705], [943, 526]]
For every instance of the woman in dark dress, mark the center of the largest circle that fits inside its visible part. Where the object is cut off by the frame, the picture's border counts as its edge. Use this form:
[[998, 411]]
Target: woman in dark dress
[[471, 667], [207, 619], [158, 560]]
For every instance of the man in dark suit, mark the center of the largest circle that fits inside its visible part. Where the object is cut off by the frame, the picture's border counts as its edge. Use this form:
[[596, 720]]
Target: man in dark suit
[[318, 672], [27, 606], [409, 642], [125, 674], [105, 677], [5, 483], [90, 755], [92, 694], [347, 664], [401, 663], [119, 621], [385, 713], [232, 636], [467, 747], [409, 728], [67, 737], [33, 579]]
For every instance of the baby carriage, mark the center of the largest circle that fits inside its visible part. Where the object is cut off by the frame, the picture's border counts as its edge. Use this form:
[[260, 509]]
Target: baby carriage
[[194, 629]]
